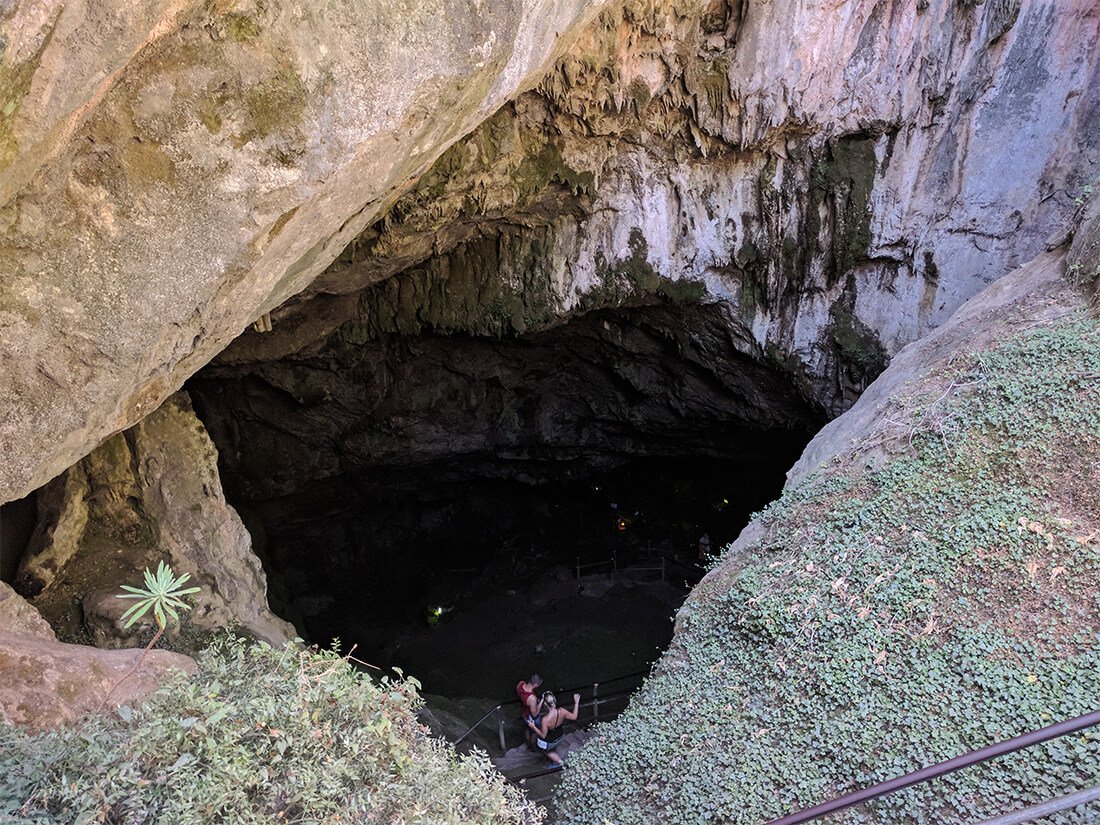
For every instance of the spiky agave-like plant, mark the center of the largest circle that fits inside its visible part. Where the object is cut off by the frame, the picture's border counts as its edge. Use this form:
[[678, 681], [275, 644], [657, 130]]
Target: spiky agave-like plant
[[162, 594]]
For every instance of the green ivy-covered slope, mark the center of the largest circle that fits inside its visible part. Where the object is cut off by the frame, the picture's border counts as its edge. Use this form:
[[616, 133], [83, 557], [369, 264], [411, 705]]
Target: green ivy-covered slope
[[892, 614], [259, 735]]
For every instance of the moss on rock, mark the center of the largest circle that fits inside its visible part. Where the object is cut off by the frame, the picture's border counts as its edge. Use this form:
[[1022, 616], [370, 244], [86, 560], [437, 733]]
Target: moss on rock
[[633, 278], [15, 84], [847, 176], [858, 347]]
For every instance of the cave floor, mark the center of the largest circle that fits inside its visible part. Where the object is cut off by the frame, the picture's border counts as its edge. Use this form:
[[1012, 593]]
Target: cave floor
[[572, 631]]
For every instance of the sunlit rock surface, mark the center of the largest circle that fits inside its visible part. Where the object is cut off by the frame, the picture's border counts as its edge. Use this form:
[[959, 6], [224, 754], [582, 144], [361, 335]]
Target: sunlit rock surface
[[844, 177], [170, 171]]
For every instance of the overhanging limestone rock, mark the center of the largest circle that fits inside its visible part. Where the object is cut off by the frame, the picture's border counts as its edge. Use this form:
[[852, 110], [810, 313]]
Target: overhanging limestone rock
[[169, 173]]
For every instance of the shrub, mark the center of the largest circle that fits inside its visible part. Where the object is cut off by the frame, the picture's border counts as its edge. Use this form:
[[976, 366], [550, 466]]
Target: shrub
[[891, 616], [259, 735]]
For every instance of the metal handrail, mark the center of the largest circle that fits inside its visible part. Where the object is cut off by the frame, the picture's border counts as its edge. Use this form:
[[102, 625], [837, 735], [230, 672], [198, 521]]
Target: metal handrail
[[611, 697], [473, 727], [940, 768], [1045, 809], [567, 691], [667, 557]]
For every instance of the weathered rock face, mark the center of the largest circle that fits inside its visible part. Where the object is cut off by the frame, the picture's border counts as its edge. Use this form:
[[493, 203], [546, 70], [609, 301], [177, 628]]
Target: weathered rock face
[[844, 180], [843, 177], [47, 683], [169, 173], [20, 618], [151, 494], [1083, 258]]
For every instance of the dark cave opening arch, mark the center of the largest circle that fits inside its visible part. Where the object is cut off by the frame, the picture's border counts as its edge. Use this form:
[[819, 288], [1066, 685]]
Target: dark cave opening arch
[[468, 476]]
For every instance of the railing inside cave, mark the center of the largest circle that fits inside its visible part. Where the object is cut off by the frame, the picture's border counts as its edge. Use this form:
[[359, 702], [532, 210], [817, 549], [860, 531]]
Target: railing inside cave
[[664, 562], [596, 702], [1018, 817]]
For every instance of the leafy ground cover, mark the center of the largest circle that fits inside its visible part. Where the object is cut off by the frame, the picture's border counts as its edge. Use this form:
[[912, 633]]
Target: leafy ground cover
[[893, 614], [259, 735]]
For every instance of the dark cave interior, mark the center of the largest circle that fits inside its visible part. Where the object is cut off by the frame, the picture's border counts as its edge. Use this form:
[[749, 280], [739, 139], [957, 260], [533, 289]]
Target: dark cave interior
[[428, 498]]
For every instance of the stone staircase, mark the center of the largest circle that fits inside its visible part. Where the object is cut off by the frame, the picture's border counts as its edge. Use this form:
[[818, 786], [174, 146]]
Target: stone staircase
[[521, 760], [519, 763]]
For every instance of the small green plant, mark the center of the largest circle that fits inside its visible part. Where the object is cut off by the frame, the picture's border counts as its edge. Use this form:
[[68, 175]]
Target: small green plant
[[162, 594]]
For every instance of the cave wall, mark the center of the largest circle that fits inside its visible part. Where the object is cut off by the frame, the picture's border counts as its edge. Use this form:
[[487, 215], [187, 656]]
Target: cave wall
[[148, 495], [406, 411], [842, 175], [842, 180]]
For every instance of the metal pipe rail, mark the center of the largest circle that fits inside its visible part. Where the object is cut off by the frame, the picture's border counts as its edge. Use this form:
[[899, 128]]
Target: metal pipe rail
[[586, 686], [1045, 809], [940, 768], [668, 559], [473, 727], [627, 559], [595, 703]]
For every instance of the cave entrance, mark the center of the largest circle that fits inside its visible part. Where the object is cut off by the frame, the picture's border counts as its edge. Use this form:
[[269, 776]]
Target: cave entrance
[[472, 509]]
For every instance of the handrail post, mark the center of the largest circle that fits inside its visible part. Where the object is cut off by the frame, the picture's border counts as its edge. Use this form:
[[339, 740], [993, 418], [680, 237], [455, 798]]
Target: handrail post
[[477, 724], [595, 701], [578, 568], [500, 729]]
